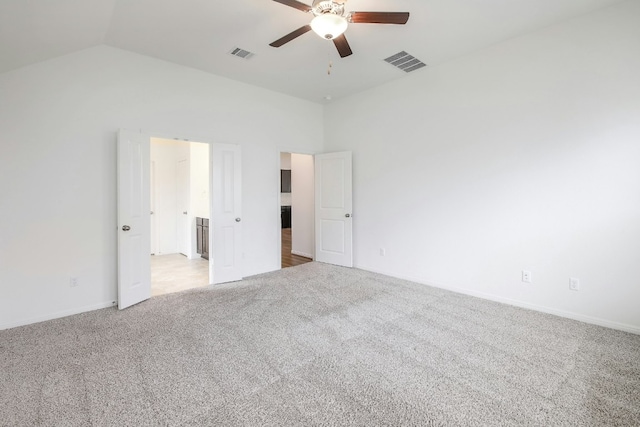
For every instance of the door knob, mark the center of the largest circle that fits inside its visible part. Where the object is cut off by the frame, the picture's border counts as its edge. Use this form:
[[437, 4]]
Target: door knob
[[238, 220], [347, 215], [126, 228], [184, 213]]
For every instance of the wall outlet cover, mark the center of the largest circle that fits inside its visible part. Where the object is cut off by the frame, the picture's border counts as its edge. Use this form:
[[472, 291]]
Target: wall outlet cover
[[574, 284]]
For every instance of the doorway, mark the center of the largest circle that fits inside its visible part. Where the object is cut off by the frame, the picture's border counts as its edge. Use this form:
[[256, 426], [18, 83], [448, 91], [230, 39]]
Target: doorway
[[179, 190], [134, 219], [297, 238]]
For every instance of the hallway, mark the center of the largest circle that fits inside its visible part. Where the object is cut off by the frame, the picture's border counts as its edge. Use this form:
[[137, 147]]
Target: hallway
[[289, 259]]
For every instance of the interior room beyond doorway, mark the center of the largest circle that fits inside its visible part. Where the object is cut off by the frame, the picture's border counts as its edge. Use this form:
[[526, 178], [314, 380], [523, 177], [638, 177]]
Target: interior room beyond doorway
[[179, 196], [296, 209], [175, 273]]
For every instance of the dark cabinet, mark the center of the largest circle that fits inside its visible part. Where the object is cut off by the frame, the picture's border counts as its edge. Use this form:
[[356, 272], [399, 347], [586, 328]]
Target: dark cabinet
[[202, 237], [285, 215], [285, 181]]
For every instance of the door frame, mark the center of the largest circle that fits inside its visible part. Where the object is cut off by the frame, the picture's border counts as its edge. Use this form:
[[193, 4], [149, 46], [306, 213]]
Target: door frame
[[279, 204], [203, 140]]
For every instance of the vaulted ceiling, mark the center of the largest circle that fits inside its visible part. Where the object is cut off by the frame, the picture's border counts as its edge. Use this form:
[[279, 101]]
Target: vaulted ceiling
[[201, 33]]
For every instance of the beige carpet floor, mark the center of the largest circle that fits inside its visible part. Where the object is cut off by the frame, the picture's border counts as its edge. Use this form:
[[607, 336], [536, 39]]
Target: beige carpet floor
[[318, 345]]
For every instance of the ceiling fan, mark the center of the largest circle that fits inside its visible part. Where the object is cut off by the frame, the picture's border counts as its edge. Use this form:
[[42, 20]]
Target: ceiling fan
[[330, 21]]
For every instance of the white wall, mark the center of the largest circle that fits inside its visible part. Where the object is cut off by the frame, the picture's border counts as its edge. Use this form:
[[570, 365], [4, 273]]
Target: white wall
[[285, 161], [200, 179], [165, 154], [58, 124], [302, 205], [522, 156]]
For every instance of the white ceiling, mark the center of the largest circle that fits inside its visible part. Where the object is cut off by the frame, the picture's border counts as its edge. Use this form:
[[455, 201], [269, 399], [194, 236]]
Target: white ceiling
[[201, 33]]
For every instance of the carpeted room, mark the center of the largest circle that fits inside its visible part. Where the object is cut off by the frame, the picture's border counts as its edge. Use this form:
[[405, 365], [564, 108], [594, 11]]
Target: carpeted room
[[319, 345], [514, 149]]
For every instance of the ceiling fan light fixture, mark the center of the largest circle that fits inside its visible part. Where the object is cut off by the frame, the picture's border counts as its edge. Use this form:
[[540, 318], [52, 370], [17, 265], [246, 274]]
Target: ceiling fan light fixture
[[329, 26]]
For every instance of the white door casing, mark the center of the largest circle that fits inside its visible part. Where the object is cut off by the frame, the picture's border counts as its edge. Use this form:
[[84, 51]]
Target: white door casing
[[134, 227], [226, 213], [333, 208]]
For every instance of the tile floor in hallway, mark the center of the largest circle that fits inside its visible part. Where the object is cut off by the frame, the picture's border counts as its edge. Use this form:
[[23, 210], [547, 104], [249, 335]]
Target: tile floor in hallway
[[175, 273]]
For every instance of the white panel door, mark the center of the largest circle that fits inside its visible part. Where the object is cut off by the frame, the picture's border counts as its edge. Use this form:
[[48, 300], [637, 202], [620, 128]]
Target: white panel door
[[226, 209], [333, 196], [182, 178], [152, 206], [134, 225]]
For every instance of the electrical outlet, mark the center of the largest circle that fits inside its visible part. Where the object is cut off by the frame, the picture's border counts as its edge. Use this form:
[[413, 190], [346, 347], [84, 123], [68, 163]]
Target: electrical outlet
[[73, 282], [383, 251], [526, 276], [574, 284]]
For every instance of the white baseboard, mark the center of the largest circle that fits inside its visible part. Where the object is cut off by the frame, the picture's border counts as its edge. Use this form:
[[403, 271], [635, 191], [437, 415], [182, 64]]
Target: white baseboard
[[57, 315], [517, 303], [306, 255]]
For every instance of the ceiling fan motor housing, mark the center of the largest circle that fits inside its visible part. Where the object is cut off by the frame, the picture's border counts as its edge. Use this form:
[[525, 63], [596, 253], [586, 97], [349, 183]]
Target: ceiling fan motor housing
[[321, 7]]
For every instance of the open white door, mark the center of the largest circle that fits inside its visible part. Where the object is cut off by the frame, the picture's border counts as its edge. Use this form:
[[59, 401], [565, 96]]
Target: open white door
[[152, 206], [226, 213], [134, 228], [333, 196]]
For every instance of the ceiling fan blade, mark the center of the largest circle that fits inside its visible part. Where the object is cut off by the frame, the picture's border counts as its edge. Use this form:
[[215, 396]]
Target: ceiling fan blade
[[343, 46], [295, 4], [379, 17], [292, 35]]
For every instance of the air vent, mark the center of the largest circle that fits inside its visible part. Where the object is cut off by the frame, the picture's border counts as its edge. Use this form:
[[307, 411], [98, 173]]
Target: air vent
[[241, 53], [405, 62]]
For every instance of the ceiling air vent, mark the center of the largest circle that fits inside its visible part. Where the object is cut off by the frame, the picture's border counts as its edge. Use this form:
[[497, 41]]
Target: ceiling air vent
[[241, 53], [405, 62]]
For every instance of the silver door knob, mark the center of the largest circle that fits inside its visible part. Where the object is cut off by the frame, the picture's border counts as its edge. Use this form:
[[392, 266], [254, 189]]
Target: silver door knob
[[238, 220], [126, 228], [184, 213], [347, 215]]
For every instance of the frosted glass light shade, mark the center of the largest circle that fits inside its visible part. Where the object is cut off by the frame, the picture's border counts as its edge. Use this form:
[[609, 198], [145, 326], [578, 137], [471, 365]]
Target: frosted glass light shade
[[329, 26]]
